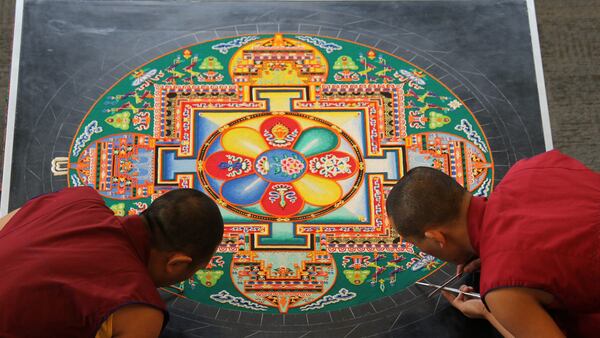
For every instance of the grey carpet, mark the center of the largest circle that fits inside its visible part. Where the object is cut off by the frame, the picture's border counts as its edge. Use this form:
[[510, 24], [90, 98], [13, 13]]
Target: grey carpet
[[570, 45], [7, 12], [570, 42]]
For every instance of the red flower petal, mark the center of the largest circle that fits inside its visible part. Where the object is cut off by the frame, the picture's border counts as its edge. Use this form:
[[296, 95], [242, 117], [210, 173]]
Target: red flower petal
[[282, 200], [224, 165], [280, 131]]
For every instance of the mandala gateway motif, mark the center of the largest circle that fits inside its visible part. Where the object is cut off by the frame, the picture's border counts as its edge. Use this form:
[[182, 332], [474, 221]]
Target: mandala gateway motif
[[298, 138]]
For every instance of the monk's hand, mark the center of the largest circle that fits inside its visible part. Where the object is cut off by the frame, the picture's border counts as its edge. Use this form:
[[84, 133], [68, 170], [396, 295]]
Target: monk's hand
[[471, 266], [470, 307]]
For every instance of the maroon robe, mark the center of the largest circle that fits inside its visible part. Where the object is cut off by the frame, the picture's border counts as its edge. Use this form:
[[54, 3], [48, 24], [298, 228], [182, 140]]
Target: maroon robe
[[540, 229], [67, 262]]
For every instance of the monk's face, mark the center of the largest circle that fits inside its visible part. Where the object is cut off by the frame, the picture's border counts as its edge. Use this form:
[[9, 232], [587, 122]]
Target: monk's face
[[441, 246]]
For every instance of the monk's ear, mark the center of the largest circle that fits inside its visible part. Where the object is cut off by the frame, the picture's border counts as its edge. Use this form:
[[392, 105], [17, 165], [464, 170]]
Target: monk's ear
[[436, 236], [178, 262]]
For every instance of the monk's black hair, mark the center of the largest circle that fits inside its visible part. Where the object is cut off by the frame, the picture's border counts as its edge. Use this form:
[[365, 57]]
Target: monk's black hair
[[421, 198], [185, 220]]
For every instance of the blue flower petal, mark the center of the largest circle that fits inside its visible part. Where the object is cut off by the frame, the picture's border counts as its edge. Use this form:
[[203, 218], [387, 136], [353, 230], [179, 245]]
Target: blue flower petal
[[245, 190]]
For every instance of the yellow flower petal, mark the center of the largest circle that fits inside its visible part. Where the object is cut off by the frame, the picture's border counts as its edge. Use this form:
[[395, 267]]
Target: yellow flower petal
[[244, 141], [317, 190]]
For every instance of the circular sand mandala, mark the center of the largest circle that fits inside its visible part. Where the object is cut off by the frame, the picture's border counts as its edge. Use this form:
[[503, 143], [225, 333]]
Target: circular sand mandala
[[298, 138]]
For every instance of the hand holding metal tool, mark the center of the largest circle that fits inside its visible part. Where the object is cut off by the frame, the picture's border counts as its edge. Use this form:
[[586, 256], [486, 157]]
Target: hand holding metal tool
[[459, 274], [441, 287]]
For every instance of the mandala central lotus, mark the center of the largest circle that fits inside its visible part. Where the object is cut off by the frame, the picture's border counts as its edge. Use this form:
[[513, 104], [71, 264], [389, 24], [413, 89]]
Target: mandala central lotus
[[280, 166]]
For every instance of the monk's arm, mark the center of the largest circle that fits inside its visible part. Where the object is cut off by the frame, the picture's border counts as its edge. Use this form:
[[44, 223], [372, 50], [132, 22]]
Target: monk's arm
[[503, 331], [4, 220], [137, 321], [521, 312], [474, 308]]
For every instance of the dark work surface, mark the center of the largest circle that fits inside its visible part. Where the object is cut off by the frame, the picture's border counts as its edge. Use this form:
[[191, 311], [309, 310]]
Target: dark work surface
[[73, 51], [412, 315]]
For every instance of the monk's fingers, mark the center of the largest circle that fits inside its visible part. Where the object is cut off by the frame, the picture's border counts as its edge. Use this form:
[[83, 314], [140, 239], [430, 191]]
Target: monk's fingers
[[460, 268], [466, 288], [449, 296], [472, 266]]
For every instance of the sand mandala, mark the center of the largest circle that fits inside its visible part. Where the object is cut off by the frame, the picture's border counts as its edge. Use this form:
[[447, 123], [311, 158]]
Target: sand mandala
[[298, 138]]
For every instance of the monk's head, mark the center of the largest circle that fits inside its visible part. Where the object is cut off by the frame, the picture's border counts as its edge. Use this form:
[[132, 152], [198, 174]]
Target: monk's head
[[185, 228], [429, 209]]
